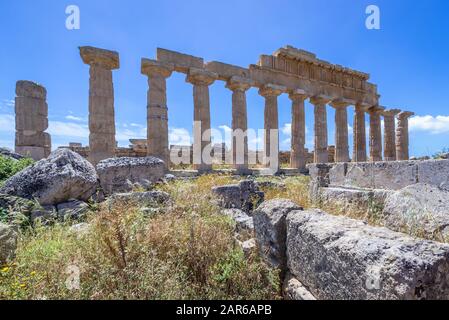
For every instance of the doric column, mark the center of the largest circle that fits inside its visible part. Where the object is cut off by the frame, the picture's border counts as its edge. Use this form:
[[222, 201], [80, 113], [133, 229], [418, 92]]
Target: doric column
[[298, 154], [321, 141], [239, 86], [390, 134], [32, 120], [101, 102], [201, 80], [341, 130], [359, 154], [402, 137], [157, 111], [375, 133], [271, 92]]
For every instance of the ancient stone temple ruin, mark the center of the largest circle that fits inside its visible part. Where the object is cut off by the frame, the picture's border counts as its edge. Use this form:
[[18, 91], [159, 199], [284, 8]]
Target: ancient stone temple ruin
[[32, 120], [296, 73]]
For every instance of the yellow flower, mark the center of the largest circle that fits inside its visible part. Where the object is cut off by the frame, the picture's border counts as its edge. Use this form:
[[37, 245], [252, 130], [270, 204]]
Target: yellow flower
[[23, 285], [5, 269], [33, 273]]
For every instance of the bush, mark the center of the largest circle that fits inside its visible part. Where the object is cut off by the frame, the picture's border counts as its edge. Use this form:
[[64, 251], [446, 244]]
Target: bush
[[9, 166]]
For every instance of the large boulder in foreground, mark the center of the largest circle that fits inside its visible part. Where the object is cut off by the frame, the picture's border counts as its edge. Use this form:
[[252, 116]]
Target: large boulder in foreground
[[419, 209], [8, 243], [340, 258], [271, 230], [64, 175], [118, 175]]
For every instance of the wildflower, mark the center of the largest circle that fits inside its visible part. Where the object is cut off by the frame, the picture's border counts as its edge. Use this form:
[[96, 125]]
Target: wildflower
[[5, 269]]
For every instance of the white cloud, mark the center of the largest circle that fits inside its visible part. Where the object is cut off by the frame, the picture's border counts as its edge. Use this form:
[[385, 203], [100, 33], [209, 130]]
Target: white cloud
[[68, 129], [287, 129], [225, 128], [179, 136], [431, 124], [7, 123], [74, 118]]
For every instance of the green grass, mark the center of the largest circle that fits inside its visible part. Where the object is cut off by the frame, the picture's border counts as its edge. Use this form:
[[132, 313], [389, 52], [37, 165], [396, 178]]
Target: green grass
[[187, 251]]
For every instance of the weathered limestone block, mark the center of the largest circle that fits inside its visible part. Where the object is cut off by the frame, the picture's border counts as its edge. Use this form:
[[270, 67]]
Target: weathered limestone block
[[118, 175], [142, 199], [31, 120], [45, 214], [182, 62], [295, 290], [227, 71], [434, 172], [271, 231], [242, 220], [355, 200], [340, 258], [381, 175], [64, 175], [101, 102], [244, 196], [337, 174], [72, 210], [419, 209], [8, 243]]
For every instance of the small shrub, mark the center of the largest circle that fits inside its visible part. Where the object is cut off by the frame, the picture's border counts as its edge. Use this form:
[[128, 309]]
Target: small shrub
[[9, 166]]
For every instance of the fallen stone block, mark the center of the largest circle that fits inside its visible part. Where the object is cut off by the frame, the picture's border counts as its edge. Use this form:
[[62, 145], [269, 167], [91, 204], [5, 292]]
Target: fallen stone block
[[245, 196], [118, 175], [295, 290], [142, 199], [242, 220], [270, 227], [419, 209], [64, 175], [72, 210], [341, 258], [434, 172]]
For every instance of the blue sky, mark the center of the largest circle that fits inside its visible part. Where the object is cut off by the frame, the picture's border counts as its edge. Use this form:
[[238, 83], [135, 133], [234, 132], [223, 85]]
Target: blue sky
[[408, 58]]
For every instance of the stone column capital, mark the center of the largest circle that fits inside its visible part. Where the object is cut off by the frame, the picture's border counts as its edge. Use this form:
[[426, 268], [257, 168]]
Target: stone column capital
[[376, 109], [199, 77], [405, 115], [100, 57], [390, 112], [153, 67], [320, 100], [341, 103], [361, 106], [239, 84], [271, 90], [298, 95]]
